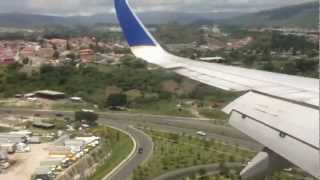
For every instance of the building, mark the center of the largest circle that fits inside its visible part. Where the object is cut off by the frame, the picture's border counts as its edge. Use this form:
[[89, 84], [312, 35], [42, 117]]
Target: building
[[86, 55], [59, 151], [59, 44], [8, 147], [48, 94], [44, 173], [75, 145], [213, 59], [45, 53], [27, 52], [12, 138], [43, 125], [7, 56], [89, 140]]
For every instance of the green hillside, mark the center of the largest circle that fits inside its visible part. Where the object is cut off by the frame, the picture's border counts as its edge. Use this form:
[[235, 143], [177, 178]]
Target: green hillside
[[303, 15]]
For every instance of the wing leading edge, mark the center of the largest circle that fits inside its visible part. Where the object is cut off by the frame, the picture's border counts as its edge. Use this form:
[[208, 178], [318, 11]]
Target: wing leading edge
[[284, 105]]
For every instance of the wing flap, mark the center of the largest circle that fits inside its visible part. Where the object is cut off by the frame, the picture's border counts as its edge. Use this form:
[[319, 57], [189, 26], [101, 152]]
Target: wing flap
[[297, 120], [290, 148]]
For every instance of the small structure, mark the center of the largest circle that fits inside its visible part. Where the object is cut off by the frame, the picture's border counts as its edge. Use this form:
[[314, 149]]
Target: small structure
[[89, 140], [22, 147], [213, 59], [44, 173], [40, 124], [34, 140], [59, 44], [86, 55], [8, 147], [75, 145], [59, 151], [6, 56], [12, 138], [45, 53], [27, 52], [3, 156], [76, 99], [48, 94], [23, 133]]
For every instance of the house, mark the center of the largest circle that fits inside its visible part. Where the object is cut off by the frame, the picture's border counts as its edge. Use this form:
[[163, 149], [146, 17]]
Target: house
[[45, 53], [74, 145], [86, 55], [43, 125], [47, 94], [59, 44], [7, 56], [27, 52]]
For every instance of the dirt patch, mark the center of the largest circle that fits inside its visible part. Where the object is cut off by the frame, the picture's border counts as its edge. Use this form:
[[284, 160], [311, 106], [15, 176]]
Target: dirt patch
[[26, 163]]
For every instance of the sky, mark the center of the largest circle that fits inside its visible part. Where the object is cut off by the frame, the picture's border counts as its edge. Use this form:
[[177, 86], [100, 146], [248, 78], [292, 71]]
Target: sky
[[90, 7]]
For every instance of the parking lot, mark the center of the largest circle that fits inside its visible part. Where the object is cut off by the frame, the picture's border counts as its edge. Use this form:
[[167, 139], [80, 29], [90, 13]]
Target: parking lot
[[26, 163]]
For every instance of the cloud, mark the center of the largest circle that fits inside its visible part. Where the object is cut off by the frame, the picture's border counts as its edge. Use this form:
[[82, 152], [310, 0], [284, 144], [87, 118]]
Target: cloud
[[88, 7]]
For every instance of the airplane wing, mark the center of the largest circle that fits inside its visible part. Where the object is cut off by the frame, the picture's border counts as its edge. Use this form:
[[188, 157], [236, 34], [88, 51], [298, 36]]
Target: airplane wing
[[279, 111]]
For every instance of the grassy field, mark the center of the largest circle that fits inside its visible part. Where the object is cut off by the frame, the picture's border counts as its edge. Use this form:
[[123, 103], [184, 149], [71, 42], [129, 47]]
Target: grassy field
[[213, 114], [5, 129], [163, 107], [120, 149], [173, 152]]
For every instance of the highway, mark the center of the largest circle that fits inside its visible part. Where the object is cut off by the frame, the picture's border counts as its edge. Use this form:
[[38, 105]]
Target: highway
[[179, 125], [143, 141]]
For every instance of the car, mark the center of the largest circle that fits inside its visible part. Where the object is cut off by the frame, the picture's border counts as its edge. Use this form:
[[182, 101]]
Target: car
[[201, 133], [140, 151], [87, 110], [59, 115], [36, 115]]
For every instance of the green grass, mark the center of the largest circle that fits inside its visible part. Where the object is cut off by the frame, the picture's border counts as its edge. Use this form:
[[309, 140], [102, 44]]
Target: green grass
[[5, 129], [173, 152], [120, 150], [213, 114], [163, 107], [71, 106]]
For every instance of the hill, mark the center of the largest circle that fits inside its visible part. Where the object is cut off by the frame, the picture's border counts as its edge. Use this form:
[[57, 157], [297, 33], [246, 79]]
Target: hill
[[31, 20], [301, 15]]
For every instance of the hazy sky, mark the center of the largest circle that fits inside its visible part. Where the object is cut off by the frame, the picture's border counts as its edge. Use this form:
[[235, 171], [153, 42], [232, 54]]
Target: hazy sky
[[88, 7]]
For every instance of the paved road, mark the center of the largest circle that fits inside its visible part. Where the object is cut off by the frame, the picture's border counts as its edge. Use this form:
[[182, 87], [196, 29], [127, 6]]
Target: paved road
[[143, 141]]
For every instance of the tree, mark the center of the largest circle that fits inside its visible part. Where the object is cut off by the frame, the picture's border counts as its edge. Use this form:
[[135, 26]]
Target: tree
[[71, 56], [289, 68], [56, 55], [25, 61], [249, 61], [89, 117], [117, 100], [269, 67]]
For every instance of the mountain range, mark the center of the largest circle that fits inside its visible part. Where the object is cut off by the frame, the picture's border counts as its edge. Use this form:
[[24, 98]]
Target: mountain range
[[305, 15], [302, 15]]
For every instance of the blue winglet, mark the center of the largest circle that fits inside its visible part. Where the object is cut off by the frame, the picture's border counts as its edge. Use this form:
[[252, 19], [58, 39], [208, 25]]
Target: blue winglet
[[134, 31]]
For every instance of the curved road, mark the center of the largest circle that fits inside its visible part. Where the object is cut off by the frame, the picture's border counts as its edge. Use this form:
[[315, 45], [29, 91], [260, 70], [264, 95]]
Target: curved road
[[143, 141]]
